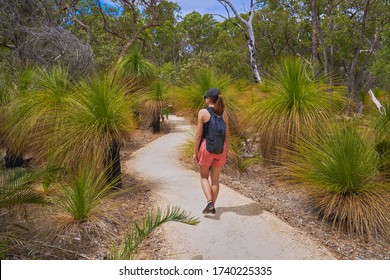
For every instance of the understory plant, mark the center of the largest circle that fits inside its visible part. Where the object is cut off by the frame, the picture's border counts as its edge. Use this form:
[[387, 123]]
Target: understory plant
[[296, 99], [338, 166], [82, 192], [154, 101], [381, 128], [139, 232], [17, 187], [97, 121], [33, 117], [189, 99]]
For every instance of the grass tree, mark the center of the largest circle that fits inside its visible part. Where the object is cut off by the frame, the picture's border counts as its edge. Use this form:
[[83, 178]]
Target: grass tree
[[97, 121], [189, 99], [33, 117], [82, 191], [20, 85], [338, 165], [295, 100], [17, 187], [135, 67], [154, 101]]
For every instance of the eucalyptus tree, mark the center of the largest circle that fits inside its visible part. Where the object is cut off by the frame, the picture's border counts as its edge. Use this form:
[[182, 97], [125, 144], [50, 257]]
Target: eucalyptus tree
[[163, 43], [364, 23], [135, 17], [246, 26], [199, 33]]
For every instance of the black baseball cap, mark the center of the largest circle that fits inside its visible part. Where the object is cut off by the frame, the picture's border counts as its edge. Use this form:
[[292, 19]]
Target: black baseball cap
[[212, 92]]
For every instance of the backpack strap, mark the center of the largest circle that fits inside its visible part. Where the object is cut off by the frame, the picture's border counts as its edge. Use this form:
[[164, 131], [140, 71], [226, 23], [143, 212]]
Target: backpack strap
[[211, 111]]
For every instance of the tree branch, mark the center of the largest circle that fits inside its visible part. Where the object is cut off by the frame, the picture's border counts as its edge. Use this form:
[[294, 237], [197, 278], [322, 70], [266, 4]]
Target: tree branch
[[78, 21], [105, 23]]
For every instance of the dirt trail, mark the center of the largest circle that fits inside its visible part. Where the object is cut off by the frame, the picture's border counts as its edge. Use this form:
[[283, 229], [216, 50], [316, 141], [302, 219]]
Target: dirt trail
[[241, 229]]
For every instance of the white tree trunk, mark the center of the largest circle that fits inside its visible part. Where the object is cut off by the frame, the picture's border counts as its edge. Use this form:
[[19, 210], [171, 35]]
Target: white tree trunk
[[249, 34], [252, 53]]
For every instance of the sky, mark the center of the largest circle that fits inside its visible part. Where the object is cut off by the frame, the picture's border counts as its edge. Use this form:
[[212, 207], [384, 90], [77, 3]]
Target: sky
[[206, 6], [210, 6]]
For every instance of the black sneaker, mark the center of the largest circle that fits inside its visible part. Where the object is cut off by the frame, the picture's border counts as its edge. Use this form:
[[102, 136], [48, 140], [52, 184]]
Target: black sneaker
[[209, 208]]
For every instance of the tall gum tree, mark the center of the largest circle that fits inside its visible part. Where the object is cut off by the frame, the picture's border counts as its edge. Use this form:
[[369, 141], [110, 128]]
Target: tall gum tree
[[246, 27]]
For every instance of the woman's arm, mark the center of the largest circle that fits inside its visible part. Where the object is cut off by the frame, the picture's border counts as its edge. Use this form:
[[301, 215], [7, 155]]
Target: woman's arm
[[198, 135], [227, 136]]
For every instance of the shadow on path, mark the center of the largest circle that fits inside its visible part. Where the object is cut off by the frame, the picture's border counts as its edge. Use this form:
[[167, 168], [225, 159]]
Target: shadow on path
[[251, 209]]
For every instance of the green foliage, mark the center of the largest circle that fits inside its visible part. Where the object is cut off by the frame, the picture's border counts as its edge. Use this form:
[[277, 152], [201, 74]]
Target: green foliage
[[86, 190], [190, 98], [199, 32], [99, 113], [381, 127], [338, 159], [296, 100], [34, 115], [137, 233], [338, 165], [136, 66], [154, 101], [17, 188], [4, 92]]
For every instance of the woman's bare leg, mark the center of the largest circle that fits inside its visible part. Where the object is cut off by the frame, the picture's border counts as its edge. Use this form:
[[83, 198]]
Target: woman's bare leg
[[204, 180], [215, 171]]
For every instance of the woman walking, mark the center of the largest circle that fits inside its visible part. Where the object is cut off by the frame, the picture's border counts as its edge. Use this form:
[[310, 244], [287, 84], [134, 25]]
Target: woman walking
[[210, 164]]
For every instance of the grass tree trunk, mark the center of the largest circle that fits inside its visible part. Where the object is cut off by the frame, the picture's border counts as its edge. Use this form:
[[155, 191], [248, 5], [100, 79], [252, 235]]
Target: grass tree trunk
[[156, 124], [113, 165], [12, 160]]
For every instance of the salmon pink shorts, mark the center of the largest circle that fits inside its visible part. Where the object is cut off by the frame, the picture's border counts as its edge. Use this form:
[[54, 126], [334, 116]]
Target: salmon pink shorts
[[207, 159]]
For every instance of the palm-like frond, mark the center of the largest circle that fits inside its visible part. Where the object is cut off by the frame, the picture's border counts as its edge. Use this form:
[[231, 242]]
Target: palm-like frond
[[4, 92], [296, 100], [16, 188], [25, 80], [137, 233]]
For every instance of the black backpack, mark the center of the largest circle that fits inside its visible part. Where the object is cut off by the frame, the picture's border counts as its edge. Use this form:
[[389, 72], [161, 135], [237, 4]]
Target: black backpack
[[215, 137]]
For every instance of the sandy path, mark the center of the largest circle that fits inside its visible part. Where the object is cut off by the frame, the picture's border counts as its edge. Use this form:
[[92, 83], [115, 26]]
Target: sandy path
[[241, 229]]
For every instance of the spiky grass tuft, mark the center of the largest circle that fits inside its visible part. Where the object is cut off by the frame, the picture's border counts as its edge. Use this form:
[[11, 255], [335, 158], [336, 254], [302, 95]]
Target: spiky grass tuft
[[296, 100], [84, 192], [338, 166]]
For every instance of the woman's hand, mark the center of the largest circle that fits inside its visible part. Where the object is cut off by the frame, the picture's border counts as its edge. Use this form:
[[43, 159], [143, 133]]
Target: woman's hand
[[195, 158]]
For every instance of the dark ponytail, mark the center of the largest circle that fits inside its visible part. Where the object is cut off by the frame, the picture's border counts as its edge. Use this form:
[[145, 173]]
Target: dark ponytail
[[219, 105]]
